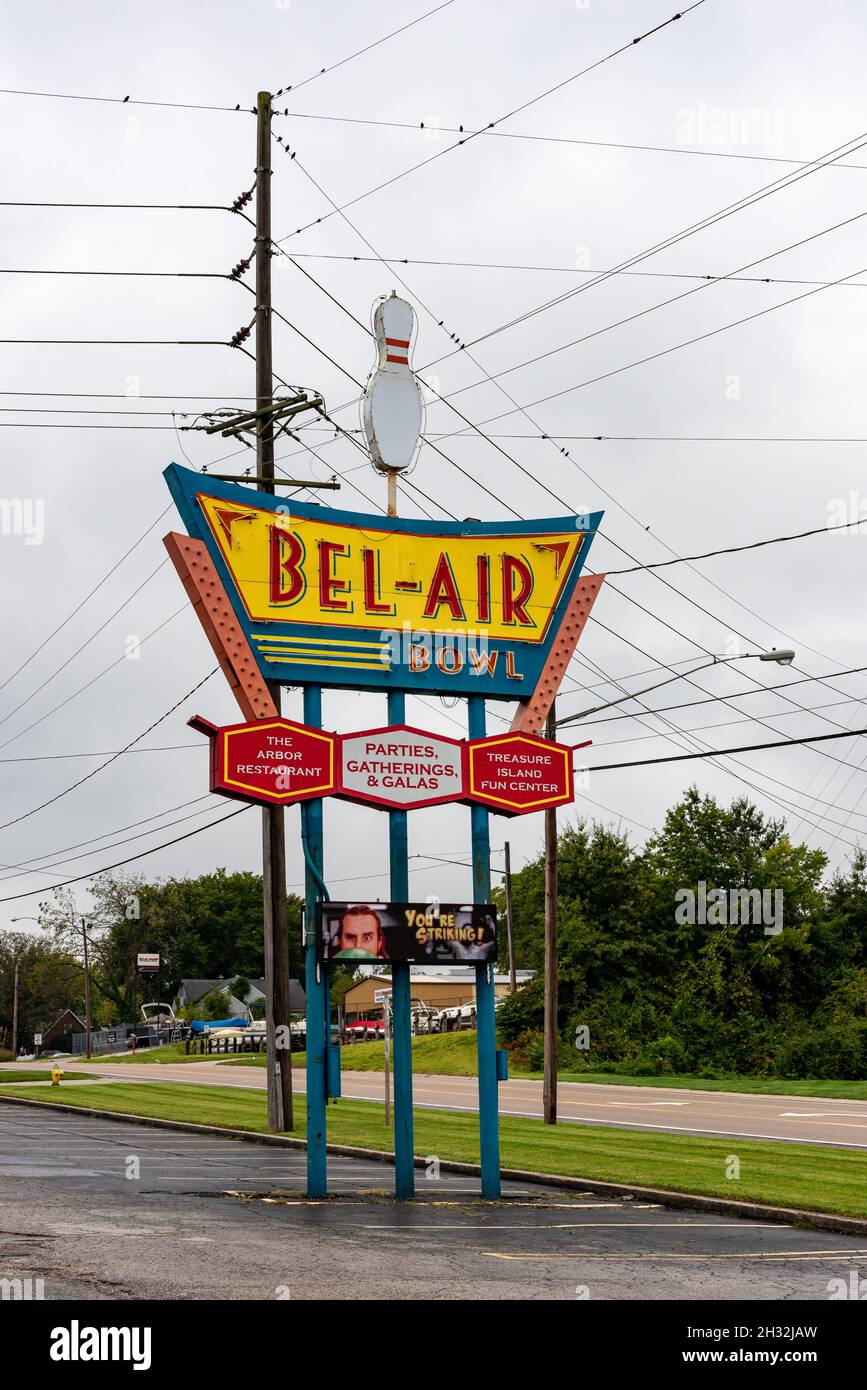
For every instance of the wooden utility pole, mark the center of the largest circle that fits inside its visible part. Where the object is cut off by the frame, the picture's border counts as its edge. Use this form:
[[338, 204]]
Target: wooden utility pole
[[15, 1012], [87, 1042], [273, 827], [510, 925], [549, 1083]]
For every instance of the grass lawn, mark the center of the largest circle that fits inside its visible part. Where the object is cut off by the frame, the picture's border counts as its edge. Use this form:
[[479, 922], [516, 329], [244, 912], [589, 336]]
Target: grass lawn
[[39, 1074], [446, 1054], [454, 1054], [796, 1175], [172, 1052]]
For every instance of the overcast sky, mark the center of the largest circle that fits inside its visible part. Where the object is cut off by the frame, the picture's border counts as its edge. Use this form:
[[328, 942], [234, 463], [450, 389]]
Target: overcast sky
[[726, 96]]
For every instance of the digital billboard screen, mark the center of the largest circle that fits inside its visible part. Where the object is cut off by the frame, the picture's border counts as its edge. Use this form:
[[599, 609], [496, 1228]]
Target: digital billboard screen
[[418, 933]]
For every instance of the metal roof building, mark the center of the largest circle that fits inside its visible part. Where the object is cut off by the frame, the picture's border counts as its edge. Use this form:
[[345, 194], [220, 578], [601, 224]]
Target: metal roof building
[[441, 989]]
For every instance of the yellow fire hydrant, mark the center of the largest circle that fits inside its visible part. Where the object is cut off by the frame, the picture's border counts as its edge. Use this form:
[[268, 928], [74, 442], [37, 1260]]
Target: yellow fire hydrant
[[56, 1074]]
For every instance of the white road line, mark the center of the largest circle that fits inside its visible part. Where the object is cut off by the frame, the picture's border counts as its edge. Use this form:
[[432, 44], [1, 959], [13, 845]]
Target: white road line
[[824, 1114]]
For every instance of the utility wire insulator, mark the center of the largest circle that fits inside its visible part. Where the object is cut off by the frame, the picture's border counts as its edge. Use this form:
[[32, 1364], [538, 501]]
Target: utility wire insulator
[[241, 268]]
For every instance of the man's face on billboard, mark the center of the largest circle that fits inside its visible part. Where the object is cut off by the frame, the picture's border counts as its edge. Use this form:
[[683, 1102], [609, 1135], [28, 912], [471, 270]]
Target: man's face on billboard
[[360, 932]]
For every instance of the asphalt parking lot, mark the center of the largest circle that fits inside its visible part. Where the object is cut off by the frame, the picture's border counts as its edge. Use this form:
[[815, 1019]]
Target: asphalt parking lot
[[105, 1210]]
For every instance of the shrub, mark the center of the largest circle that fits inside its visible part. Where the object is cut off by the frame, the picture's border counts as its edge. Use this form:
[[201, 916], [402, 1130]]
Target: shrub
[[528, 1050], [837, 1051], [664, 1057]]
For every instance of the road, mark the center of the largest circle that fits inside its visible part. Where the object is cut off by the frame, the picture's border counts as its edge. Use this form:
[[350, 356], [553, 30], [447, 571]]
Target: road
[[802, 1119], [103, 1210]]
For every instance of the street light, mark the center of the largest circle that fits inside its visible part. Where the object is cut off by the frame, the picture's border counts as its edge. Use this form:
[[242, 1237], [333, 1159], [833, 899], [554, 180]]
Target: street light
[[783, 657]]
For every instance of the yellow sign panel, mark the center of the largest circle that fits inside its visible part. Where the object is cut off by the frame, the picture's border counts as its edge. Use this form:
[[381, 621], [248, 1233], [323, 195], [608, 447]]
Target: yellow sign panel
[[297, 568]]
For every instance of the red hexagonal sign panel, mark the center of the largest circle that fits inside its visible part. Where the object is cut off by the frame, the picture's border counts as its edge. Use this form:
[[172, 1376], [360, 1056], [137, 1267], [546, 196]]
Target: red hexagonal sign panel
[[517, 773], [274, 761]]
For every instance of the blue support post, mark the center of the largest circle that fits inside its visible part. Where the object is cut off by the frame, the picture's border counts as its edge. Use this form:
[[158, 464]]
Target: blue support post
[[318, 1032], [404, 1167], [489, 1122]]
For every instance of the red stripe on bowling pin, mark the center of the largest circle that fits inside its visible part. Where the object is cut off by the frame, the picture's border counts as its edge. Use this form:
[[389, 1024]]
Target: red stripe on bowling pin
[[400, 343]]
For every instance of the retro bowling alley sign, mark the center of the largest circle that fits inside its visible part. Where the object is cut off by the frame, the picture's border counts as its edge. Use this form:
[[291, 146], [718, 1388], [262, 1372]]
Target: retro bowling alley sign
[[340, 598]]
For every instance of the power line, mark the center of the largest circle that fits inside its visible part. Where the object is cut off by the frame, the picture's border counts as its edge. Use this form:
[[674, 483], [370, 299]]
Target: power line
[[755, 776], [578, 270], [80, 691], [146, 274], [117, 830], [661, 438], [138, 207], [524, 106], [728, 723], [122, 101], [746, 748], [523, 410], [664, 352], [70, 425], [730, 210], [627, 598], [23, 871], [109, 761], [552, 139], [678, 732], [57, 757], [87, 597], [69, 660], [294, 86], [664, 303], [498, 447], [122, 396], [143, 854], [699, 687], [87, 410], [122, 342], [737, 549], [713, 699]]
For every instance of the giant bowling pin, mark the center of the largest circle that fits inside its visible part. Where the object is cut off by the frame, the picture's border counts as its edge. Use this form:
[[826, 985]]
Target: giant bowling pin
[[392, 408]]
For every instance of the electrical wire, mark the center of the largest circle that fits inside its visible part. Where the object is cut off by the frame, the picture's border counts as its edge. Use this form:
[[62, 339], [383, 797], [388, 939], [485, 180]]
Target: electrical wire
[[524, 106], [712, 699], [131, 859], [77, 609], [80, 691], [421, 126], [121, 101], [674, 299], [295, 86], [102, 766], [745, 748], [576, 270], [511, 458], [68, 660], [51, 868], [730, 210], [738, 549]]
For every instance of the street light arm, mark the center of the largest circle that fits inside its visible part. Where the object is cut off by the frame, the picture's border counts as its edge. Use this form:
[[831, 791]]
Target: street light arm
[[782, 658], [634, 694]]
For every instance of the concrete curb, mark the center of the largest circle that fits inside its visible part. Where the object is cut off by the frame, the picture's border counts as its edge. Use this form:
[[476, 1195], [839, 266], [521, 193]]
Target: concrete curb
[[721, 1206]]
